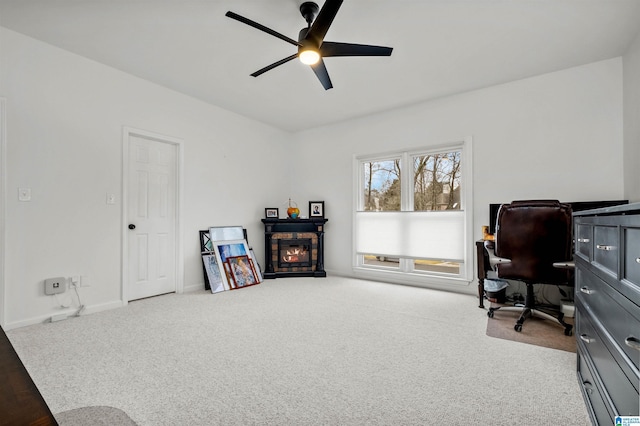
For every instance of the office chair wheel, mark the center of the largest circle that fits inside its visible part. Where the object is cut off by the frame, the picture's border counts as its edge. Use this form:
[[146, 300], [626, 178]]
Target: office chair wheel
[[490, 313], [568, 330], [518, 327]]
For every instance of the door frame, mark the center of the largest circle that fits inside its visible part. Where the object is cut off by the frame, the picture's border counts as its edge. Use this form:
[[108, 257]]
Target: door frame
[[127, 134], [3, 204]]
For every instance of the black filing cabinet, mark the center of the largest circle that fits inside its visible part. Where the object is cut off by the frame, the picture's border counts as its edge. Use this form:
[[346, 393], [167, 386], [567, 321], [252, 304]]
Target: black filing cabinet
[[607, 257]]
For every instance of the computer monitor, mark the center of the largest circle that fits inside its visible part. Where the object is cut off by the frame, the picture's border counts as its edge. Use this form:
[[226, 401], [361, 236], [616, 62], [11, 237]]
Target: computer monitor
[[576, 206]]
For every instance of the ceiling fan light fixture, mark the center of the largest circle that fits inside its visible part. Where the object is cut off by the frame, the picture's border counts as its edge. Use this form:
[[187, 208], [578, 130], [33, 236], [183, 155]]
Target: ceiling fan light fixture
[[312, 47], [309, 57]]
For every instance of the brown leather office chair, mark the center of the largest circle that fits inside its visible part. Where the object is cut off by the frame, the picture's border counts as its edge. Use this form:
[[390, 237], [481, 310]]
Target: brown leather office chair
[[533, 244]]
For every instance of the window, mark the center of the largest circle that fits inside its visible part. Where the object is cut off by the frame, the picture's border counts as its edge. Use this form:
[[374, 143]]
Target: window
[[381, 185], [410, 216]]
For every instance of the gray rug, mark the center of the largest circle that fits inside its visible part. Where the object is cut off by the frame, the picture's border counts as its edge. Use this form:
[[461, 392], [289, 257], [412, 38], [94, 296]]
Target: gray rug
[[95, 416], [535, 331]]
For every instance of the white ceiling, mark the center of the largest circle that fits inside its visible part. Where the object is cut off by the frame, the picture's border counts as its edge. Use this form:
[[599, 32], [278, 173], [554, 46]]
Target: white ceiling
[[441, 47]]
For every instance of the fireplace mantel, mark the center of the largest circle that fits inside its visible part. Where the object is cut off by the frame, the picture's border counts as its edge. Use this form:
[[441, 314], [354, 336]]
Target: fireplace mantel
[[291, 229]]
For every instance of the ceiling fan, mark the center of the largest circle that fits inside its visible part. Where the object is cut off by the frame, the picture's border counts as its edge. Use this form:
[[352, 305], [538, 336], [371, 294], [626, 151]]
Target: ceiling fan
[[311, 45]]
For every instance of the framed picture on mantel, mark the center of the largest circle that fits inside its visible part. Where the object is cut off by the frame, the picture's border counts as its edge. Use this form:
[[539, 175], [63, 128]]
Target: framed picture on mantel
[[316, 208], [271, 213]]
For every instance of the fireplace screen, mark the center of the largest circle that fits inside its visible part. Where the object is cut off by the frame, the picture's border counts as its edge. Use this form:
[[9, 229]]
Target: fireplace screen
[[294, 253]]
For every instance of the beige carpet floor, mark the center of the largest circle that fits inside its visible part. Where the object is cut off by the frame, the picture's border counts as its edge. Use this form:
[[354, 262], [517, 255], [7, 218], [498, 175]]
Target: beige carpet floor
[[300, 352], [535, 331]]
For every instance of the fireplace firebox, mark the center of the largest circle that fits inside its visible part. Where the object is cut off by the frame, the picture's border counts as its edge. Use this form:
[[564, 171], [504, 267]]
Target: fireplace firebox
[[294, 253], [294, 247]]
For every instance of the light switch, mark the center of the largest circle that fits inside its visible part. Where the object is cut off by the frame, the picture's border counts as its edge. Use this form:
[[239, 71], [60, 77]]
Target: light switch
[[24, 194]]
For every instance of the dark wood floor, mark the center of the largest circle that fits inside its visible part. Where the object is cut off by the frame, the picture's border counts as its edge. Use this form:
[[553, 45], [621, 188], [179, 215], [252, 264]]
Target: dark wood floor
[[20, 400]]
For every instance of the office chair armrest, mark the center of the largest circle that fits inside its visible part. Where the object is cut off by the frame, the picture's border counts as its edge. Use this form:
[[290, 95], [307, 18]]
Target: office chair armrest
[[493, 259]]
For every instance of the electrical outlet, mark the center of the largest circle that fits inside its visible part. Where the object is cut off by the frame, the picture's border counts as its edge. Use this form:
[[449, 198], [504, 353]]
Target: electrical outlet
[[55, 285], [84, 281], [24, 194]]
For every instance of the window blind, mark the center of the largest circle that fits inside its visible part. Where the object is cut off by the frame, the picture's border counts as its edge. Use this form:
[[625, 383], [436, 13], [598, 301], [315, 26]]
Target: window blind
[[421, 235]]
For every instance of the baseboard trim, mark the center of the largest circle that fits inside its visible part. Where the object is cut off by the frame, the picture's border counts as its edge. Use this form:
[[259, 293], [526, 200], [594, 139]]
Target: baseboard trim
[[68, 311], [92, 309], [193, 287]]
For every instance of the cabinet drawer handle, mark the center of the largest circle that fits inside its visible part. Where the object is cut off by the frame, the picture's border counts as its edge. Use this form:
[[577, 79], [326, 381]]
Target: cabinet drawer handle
[[633, 342], [605, 248], [588, 387], [583, 240], [585, 338], [586, 290]]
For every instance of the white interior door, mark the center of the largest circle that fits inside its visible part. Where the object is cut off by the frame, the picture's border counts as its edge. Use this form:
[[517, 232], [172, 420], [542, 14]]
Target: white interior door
[[151, 217]]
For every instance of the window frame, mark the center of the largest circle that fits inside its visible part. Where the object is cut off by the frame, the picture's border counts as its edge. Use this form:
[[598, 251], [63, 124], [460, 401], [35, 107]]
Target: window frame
[[406, 272]]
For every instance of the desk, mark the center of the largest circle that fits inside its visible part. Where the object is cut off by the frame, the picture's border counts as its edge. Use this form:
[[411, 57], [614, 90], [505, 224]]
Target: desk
[[482, 259], [20, 400]]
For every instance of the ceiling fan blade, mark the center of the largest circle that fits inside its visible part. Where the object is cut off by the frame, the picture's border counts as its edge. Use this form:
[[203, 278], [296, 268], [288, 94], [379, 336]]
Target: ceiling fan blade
[[330, 48], [323, 75], [261, 27], [323, 21], [275, 64]]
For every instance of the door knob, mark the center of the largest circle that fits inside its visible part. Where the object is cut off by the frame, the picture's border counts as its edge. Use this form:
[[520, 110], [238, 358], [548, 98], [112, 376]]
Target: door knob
[[132, 226]]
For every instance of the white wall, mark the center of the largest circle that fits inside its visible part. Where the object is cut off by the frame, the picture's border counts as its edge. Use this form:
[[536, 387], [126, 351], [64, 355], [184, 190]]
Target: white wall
[[65, 118], [631, 61], [557, 135]]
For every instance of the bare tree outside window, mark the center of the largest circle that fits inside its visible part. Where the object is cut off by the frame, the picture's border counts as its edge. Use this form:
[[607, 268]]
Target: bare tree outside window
[[382, 185], [436, 182]]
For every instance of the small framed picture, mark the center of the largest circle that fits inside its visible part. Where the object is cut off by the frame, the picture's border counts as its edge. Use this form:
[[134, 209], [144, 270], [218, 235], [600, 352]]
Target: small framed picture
[[242, 271], [226, 249], [205, 242], [316, 208], [213, 276], [271, 213], [231, 284]]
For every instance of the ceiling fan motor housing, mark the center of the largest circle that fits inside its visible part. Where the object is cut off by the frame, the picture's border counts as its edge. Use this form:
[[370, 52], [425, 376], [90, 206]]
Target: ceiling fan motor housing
[[304, 42], [309, 10]]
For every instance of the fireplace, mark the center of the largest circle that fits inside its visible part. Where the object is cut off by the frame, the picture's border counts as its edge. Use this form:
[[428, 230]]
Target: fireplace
[[294, 253], [294, 247]]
